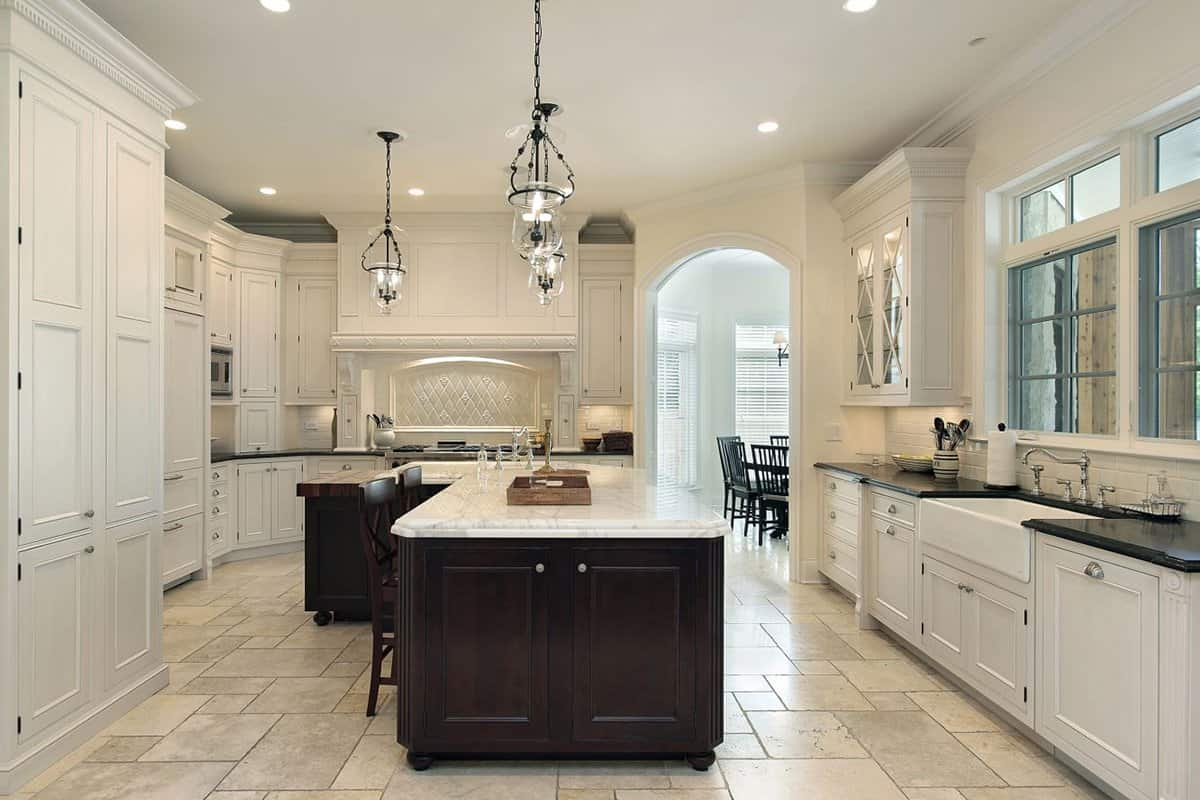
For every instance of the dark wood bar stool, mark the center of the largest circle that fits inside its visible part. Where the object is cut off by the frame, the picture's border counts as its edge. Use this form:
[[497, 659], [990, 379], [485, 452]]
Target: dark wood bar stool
[[378, 500]]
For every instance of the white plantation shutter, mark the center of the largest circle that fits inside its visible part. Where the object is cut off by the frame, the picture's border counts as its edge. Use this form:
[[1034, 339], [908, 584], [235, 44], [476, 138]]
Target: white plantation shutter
[[678, 399], [761, 385]]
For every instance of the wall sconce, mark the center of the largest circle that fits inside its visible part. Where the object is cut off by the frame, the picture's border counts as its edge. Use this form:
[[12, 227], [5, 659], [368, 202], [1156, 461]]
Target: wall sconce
[[781, 346]]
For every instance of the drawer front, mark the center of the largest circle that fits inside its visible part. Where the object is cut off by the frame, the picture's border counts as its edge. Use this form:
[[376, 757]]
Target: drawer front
[[182, 546], [218, 536], [839, 562], [841, 519], [219, 508], [218, 491], [182, 493], [893, 508], [839, 486], [219, 473], [330, 466]]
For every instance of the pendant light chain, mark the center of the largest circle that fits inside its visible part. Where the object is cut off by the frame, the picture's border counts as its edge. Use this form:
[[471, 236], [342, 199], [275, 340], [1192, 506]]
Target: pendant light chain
[[387, 214], [537, 53]]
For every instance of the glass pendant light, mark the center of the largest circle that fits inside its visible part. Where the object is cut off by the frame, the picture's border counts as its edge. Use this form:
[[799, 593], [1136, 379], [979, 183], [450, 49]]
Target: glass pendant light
[[381, 260], [540, 181], [546, 278]]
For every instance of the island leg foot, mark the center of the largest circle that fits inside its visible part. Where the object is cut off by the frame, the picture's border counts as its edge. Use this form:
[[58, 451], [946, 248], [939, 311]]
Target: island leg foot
[[322, 617], [702, 761], [420, 761]]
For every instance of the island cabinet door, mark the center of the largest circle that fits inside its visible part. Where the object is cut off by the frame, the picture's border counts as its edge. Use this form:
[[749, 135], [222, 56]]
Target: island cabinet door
[[487, 645], [635, 645]]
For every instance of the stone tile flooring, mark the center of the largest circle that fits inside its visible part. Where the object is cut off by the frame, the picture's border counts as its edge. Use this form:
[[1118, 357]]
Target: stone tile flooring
[[264, 705]]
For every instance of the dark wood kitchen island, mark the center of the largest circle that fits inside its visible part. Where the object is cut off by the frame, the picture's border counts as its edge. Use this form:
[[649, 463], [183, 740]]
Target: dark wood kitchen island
[[542, 631]]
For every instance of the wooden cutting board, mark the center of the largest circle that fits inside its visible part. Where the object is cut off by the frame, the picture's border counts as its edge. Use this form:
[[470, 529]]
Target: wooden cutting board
[[568, 488]]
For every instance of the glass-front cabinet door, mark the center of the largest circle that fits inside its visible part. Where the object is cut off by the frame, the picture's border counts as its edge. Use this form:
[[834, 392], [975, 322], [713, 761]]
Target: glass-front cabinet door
[[863, 380], [894, 280]]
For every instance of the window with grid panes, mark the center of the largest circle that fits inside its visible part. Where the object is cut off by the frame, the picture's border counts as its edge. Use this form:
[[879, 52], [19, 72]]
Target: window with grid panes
[[761, 384], [677, 399]]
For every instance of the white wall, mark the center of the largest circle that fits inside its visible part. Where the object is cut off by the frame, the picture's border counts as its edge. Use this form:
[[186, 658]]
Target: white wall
[[723, 289]]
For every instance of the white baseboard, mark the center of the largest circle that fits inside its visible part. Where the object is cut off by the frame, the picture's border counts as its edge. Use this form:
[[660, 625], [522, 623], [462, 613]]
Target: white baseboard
[[810, 571], [45, 754], [244, 553]]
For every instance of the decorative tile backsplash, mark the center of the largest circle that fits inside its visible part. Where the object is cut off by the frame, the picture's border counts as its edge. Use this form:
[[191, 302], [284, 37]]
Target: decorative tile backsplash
[[464, 394]]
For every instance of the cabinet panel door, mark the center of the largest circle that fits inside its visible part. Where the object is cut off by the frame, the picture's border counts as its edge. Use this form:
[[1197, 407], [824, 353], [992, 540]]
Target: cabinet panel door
[[185, 391], [289, 509], [998, 644], [256, 501], [316, 375], [184, 269], [600, 361], [133, 601], [893, 594], [1098, 673], [220, 307], [257, 426], [634, 615], [488, 644], [894, 278], [944, 609], [54, 611], [183, 494], [56, 314], [134, 253], [864, 318], [182, 547], [259, 328]]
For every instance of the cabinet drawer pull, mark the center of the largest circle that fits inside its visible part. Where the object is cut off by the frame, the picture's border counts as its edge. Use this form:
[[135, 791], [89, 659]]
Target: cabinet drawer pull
[[174, 527], [216, 535], [892, 508], [176, 477], [216, 511], [345, 466], [833, 515], [832, 556], [1094, 570], [89, 549], [216, 492], [833, 486], [891, 530], [216, 476], [962, 587], [540, 568], [89, 513], [582, 568]]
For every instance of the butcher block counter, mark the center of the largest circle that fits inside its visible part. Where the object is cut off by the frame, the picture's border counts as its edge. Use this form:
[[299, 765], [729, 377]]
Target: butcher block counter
[[543, 631]]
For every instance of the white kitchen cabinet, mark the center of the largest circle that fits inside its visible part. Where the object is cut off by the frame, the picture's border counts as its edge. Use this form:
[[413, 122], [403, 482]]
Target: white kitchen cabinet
[[134, 248], [182, 548], [268, 508], [222, 507], [185, 391], [57, 315], [184, 275], [255, 499], [258, 424], [183, 493], [839, 523], [892, 583], [944, 614], [258, 337], [1098, 662], [999, 644], [904, 233], [605, 325], [332, 466], [221, 303], [311, 318], [133, 600], [55, 603], [349, 430]]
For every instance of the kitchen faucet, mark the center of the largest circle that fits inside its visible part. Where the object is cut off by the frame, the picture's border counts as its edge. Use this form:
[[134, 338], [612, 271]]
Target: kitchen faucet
[[1083, 461]]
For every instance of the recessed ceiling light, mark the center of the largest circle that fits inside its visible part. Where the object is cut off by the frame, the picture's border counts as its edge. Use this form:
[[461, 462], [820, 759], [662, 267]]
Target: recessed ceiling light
[[770, 126], [269, 191], [416, 191], [278, 6], [858, 6], [175, 124]]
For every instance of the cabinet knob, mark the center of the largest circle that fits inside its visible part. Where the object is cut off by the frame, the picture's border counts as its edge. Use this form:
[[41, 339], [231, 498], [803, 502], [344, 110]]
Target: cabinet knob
[[582, 568], [832, 486], [892, 508], [216, 492], [216, 535], [891, 530], [216, 476], [345, 466], [1094, 570], [540, 568], [89, 513], [89, 549], [832, 556], [216, 510], [833, 515]]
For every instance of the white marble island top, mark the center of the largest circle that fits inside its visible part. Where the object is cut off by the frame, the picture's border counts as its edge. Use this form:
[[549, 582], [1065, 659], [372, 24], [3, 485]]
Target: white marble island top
[[625, 505]]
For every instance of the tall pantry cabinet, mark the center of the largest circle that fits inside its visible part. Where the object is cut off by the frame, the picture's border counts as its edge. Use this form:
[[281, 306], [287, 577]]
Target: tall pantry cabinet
[[80, 593]]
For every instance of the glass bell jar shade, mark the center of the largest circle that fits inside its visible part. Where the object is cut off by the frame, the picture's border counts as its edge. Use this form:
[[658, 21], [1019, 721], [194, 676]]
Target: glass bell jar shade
[[381, 260], [546, 278], [536, 234]]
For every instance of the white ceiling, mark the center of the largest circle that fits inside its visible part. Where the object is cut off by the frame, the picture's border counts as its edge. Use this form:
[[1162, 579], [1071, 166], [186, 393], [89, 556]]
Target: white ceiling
[[660, 97]]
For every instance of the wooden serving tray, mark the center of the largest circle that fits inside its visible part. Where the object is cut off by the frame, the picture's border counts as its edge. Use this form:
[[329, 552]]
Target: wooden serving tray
[[568, 488]]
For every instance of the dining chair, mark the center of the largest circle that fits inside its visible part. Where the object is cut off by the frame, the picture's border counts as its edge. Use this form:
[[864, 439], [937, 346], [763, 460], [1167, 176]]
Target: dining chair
[[378, 499], [727, 495], [770, 470], [780, 440], [743, 485]]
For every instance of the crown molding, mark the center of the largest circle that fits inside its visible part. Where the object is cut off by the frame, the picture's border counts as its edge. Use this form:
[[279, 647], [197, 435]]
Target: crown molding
[[487, 343], [1082, 25], [192, 204], [835, 173], [366, 220], [906, 164], [86, 34], [295, 232]]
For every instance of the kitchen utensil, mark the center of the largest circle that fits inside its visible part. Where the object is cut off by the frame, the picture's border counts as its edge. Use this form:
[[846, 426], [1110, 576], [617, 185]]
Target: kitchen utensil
[[939, 427]]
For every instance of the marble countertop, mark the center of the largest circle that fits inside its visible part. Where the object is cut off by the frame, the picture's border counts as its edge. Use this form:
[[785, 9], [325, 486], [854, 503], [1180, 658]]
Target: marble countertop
[[625, 505], [218, 458]]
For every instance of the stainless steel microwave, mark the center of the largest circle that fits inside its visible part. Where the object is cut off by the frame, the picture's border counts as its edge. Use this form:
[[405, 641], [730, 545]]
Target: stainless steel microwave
[[221, 372]]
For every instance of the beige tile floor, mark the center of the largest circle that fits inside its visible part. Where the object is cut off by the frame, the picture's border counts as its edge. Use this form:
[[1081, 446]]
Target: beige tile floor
[[263, 705]]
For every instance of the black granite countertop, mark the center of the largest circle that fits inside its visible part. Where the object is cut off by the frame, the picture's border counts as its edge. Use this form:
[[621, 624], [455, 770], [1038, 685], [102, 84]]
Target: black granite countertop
[[1175, 545], [218, 458]]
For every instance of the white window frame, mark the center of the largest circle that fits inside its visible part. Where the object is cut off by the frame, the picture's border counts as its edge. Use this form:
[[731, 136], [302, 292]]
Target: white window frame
[[693, 465], [1066, 174], [775, 326], [1141, 205]]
